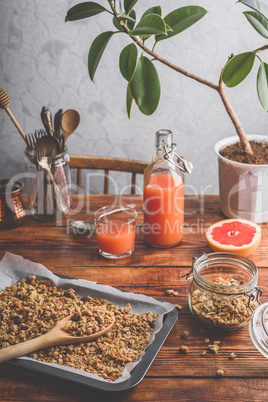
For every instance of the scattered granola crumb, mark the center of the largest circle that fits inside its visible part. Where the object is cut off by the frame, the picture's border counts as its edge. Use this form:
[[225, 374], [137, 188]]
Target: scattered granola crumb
[[176, 294], [219, 373], [169, 292], [207, 340], [184, 349], [213, 348], [184, 334], [178, 307], [217, 342], [203, 353], [232, 356]]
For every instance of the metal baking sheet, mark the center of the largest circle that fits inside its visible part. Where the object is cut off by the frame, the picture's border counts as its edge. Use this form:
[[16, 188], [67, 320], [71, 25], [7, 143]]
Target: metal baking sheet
[[136, 375]]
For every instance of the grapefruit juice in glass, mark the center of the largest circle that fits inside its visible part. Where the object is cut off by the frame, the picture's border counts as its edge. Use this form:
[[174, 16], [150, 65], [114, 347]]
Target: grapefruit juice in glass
[[116, 229], [163, 196]]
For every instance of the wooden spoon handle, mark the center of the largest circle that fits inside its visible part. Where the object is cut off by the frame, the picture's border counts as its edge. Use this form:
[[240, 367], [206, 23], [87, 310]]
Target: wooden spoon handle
[[56, 336], [22, 349], [13, 118]]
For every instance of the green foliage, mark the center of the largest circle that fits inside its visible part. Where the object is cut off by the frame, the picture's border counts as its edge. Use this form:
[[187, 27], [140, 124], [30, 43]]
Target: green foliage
[[256, 5], [128, 61], [262, 85], [129, 102], [145, 86], [129, 4], [84, 10], [153, 10], [96, 50], [237, 68], [181, 19], [143, 83], [150, 24], [258, 21]]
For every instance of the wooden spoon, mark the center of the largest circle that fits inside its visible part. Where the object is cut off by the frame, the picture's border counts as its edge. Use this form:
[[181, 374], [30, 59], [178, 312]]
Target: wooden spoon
[[56, 336], [4, 104], [69, 123]]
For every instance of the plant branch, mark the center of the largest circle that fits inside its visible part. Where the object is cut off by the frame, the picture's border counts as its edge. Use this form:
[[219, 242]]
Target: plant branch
[[217, 87], [260, 49], [112, 7]]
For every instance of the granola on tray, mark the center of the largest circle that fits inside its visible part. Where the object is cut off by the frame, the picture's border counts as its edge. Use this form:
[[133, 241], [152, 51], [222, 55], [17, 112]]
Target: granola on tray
[[31, 307]]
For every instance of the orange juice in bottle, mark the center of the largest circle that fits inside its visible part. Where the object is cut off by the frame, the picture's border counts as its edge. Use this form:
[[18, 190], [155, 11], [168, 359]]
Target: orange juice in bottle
[[164, 194]]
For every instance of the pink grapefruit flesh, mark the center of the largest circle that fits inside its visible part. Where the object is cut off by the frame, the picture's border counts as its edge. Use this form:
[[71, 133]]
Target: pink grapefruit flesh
[[238, 236]]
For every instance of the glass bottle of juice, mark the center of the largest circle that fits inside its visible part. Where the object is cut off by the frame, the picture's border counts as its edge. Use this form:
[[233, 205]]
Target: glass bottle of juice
[[164, 194]]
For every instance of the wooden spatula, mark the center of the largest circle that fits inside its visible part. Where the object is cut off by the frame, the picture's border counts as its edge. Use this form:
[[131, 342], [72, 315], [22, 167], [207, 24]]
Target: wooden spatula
[[56, 336]]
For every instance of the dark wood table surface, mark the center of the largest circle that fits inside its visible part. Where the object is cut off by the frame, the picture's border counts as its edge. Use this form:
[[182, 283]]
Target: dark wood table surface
[[172, 376]]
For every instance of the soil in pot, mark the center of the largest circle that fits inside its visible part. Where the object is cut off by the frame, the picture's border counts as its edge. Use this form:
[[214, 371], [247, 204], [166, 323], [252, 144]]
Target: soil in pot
[[235, 153]]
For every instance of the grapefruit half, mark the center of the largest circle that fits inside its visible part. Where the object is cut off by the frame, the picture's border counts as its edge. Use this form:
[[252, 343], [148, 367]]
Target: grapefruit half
[[238, 236]]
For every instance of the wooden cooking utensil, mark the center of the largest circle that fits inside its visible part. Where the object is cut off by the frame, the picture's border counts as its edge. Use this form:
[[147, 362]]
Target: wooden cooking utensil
[[69, 122], [4, 104], [56, 336]]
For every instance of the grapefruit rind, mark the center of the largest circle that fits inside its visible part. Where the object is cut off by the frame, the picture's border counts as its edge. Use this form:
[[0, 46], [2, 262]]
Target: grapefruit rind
[[245, 249]]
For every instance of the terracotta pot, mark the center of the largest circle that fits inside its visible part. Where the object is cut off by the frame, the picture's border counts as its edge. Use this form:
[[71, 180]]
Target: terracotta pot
[[243, 187]]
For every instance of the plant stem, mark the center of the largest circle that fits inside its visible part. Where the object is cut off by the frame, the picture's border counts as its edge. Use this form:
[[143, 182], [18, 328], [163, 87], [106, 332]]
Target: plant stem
[[236, 122]]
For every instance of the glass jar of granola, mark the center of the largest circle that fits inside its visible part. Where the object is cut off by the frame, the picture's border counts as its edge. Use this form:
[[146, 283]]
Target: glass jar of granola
[[224, 290]]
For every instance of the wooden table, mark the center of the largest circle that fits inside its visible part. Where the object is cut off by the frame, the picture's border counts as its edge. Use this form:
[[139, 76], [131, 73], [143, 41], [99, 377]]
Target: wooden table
[[172, 376]]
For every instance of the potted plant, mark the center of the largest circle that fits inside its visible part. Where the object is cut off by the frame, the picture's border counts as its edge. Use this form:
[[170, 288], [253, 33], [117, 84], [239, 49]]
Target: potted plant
[[243, 161]]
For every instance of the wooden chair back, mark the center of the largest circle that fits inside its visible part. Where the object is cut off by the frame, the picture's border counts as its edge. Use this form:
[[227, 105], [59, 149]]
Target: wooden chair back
[[107, 164]]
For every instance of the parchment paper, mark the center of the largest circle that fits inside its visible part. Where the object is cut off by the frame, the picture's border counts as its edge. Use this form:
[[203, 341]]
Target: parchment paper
[[14, 267]]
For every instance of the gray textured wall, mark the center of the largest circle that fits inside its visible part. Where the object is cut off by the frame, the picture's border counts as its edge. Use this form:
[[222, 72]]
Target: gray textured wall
[[44, 62]]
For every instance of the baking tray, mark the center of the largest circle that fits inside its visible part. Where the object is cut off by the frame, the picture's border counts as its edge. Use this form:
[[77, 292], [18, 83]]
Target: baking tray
[[135, 376]]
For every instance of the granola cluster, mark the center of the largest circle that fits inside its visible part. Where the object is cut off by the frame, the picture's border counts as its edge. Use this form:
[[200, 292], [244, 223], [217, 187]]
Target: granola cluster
[[32, 307], [219, 310]]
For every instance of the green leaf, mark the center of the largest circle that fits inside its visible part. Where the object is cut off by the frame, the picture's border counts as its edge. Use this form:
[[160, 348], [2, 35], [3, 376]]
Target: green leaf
[[129, 102], [151, 24], [84, 10], [128, 61], [131, 19], [120, 7], [181, 19], [153, 10], [96, 50], [129, 4], [258, 21], [117, 25], [237, 68], [145, 86], [256, 5], [125, 17], [131, 24], [262, 85]]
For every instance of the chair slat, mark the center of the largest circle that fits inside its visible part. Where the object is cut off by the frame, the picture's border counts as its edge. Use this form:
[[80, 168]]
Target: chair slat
[[107, 164]]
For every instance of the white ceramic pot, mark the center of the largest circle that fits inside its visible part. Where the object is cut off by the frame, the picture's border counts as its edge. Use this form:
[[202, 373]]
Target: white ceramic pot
[[243, 187]]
